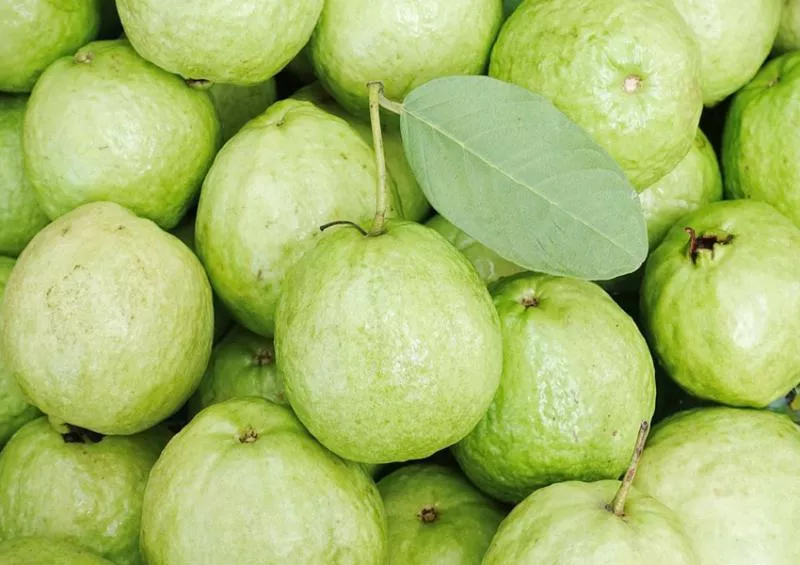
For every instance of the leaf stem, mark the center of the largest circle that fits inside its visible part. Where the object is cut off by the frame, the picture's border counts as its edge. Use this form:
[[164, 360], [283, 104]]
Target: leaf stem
[[391, 105], [618, 505], [375, 95]]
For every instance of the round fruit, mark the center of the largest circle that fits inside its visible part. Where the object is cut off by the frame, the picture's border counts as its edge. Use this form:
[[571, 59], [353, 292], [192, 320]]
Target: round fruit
[[389, 346], [788, 38], [20, 214], [237, 105], [46, 551], [404, 43], [244, 483], [134, 134], [37, 32], [721, 303], [106, 321], [577, 381], [430, 508], [77, 486], [731, 475], [760, 159], [628, 71], [219, 40]]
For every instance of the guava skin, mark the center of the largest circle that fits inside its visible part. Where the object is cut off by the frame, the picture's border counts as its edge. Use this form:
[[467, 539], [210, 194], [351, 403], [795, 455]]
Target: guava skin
[[74, 488], [436, 516], [569, 524], [37, 32], [577, 382], [107, 321], [759, 158], [627, 71], [135, 135], [723, 325], [399, 329], [20, 214], [237, 105], [244, 483], [788, 38], [46, 551], [731, 475], [225, 41]]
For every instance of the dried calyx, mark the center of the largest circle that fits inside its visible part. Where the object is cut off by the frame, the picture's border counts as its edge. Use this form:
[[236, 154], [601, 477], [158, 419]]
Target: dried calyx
[[704, 242]]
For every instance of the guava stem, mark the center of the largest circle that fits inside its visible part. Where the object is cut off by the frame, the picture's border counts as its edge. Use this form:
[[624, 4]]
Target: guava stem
[[375, 94], [618, 505], [323, 227]]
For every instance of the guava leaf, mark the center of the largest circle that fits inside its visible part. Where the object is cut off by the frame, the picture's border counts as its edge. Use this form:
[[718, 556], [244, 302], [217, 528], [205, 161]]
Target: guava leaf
[[508, 168]]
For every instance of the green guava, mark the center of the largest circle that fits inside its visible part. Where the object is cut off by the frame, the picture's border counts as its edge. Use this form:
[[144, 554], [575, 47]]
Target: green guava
[[389, 346], [436, 516], [758, 161], [731, 475], [735, 38], [46, 551], [720, 303], [37, 32], [134, 134], [788, 38], [219, 40], [20, 214], [107, 321], [403, 43], [244, 483], [627, 71], [77, 486], [237, 105], [577, 381]]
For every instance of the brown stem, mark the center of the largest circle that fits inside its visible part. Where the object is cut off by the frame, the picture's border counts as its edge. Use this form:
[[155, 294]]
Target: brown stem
[[618, 504]]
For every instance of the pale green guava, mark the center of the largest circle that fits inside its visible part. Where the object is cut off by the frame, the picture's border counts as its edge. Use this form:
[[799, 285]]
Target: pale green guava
[[720, 303], [788, 38], [760, 161], [627, 71], [46, 551], [436, 516], [37, 32], [243, 483], [577, 381], [219, 40], [20, 214], [237, 105], [77, 486], [389, 346], [107, 321], [735, 38], [134, 134], [731, 475], [403, 43]]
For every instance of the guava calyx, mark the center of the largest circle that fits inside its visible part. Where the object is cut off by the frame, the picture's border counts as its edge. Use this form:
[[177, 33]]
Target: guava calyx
[[428, 514], [248, 435], [83, 57], [264, 356], [529, 301], [704, 242], [77, 434], [632, 83]]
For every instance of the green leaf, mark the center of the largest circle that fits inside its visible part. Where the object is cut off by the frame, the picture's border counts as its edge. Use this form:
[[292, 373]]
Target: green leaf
[[512, 171], [510, 5]]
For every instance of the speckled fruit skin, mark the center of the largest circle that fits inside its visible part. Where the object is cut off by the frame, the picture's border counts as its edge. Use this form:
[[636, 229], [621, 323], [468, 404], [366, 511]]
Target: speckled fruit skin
[[731, 475], [244, 483], [134, 134], [94, 491], [37, 32], [219, 40], [436, 516], [404, 43], [788, 38], [582, 55], [46, 551], [577, 381], [389, 347], [237, 105], [724, 326], [568, 524], [107, 321], [760, 157]]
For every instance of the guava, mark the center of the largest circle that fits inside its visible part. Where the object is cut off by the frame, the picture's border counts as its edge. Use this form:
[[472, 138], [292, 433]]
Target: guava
[[46, 551], [731, 475], [242, 364], [389, 346], [219, 40], [735, 38], [759, 161], [107, 320], [403, 43], [237, 105], [134, 134], [720, 303], [244, 483], [627, 71], [788, 38], [20, 214], [78, 486], [37, 32], [436, 516], [577, 380]]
